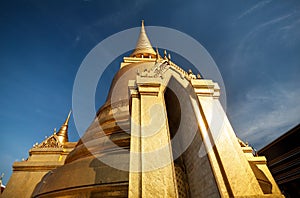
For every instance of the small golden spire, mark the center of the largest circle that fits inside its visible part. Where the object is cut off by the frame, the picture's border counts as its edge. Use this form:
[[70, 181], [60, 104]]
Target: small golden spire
[[157, 54], [165, 54], [169, 58], [1, 178], [62, 134], [143, 46]]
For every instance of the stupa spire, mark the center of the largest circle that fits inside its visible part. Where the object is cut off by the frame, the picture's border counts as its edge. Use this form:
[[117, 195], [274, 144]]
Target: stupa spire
[[63, 131], [143, 46]]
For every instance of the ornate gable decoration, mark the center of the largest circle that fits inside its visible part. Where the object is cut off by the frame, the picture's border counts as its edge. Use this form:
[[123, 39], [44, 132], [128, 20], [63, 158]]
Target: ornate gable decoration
[[157, 71], [160, 68], [50, 142]]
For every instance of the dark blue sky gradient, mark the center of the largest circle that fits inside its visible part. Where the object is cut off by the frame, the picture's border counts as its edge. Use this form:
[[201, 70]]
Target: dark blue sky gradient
[[256, 45]]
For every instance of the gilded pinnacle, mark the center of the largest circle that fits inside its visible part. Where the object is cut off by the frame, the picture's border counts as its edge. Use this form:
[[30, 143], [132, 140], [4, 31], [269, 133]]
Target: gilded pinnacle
[[68, 118], [157, 54], [143, 47], [165, 54], [63, 131]]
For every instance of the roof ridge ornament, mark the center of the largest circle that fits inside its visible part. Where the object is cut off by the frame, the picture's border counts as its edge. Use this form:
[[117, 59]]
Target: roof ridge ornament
[[165, 55], [1, 178], [58, 139]]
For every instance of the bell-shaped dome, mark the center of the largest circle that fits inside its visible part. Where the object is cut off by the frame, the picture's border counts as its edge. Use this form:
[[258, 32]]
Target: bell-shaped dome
[[99, 164]]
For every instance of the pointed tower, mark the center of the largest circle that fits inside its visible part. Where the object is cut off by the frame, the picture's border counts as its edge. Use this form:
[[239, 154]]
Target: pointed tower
[[143, 47], [143, 51], [62, 134], [44, 157], [156, 136]]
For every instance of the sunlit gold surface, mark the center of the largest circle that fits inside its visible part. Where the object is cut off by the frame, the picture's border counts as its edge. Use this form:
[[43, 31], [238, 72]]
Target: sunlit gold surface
[[226, 169], [63, 131], [44, 157], [143, 47]]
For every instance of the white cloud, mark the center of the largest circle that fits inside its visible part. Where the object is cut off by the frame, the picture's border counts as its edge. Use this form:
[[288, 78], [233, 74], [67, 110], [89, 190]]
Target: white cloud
[[254, 8], [290, 26], [283, 30], [266, 113], [258, 28]]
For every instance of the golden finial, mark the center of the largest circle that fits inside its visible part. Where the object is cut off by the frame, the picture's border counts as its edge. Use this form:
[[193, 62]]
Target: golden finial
[[191, 75], [165, 54], [1, 178], [143, 46], [63, 131], [157, 54], [68, 118], [169, 58]]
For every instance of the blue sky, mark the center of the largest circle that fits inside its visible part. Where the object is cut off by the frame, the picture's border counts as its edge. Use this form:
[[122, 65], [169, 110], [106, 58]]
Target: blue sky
[[256, 45]]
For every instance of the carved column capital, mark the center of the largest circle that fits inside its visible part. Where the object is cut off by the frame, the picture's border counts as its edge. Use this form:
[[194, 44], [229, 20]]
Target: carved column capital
[[148, 86], [133, 91], [206, 88]]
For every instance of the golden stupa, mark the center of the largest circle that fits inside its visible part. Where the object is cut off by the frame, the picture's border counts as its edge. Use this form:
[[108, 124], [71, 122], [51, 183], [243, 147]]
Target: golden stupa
[[126, 151]]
